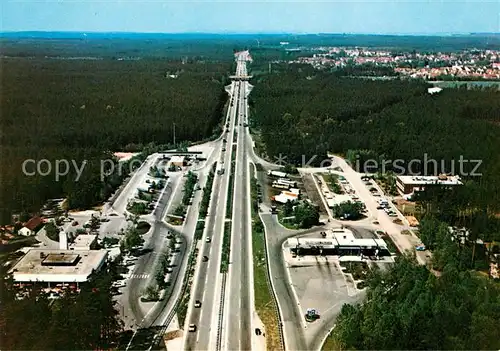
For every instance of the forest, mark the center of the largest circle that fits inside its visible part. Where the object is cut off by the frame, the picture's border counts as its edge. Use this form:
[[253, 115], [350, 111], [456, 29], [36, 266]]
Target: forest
[[455, 306], [84, 110], [409, 308], [126, 46], [38, 323], [299, 116]]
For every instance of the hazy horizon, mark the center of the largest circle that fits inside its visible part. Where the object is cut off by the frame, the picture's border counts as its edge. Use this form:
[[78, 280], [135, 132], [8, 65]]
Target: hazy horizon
[[432, 17], [256, 33]]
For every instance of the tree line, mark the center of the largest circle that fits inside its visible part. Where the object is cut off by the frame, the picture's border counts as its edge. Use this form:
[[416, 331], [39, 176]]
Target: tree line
[[85, 110]]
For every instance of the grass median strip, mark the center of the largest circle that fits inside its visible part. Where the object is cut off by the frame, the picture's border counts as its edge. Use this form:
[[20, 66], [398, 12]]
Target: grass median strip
[[188, 281], [230, 190], [207, 192], [264, 299], [226, 248]]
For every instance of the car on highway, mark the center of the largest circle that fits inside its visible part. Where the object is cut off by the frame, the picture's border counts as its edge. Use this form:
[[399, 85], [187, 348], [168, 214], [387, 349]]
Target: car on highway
[[205, 258], [192, 327], [208, 239], [197, 304]]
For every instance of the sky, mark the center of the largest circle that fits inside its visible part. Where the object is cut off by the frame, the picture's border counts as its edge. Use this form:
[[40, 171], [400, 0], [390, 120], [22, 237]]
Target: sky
[[233, 16]]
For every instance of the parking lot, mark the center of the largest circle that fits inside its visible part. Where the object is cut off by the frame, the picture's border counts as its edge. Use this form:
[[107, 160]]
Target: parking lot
[[323, 287]]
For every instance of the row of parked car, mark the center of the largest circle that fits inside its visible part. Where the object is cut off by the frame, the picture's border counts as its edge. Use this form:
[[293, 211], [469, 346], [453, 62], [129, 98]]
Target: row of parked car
[[384, 205]]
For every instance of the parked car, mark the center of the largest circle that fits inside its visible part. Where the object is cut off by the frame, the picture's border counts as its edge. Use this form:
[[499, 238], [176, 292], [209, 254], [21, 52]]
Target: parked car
[[74, 223], [420, 248]]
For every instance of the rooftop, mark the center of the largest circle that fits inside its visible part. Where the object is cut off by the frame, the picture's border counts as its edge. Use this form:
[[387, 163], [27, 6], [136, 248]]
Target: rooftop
[[177, 158], [58, 265], [60, 259], [346, 238], [33, 223], [339, 199], [83, 241], [422, 180], [338, 238]]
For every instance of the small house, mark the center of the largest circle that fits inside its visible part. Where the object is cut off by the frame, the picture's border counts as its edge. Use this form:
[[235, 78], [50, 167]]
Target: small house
[[30, 227]]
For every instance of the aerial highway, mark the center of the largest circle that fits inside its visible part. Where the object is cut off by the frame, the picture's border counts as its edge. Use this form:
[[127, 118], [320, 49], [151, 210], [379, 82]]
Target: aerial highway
[[238, 311], [207, 285]]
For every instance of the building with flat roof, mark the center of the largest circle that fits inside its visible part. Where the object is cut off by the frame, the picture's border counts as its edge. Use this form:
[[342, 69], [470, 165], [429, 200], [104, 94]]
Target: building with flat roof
[[339, 243], [84, 242], [338, 199], [58, 266], [286, 196], [409, 184]]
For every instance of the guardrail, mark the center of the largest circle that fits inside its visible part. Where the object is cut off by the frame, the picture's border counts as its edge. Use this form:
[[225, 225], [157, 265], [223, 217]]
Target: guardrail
[[218, 345]]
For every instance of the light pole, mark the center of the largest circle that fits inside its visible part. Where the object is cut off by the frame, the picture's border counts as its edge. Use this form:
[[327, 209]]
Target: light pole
[[174, 135]]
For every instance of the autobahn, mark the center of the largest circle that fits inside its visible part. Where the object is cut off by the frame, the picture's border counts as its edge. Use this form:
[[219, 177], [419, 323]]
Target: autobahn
[[238, 310], [207, 284]]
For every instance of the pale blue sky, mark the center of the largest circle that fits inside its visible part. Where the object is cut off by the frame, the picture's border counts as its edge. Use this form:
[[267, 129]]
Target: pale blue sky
[[313, 16]]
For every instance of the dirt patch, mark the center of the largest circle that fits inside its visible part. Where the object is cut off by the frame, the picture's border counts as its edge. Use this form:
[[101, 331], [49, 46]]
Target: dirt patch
[[312, 192], [407, 208], [172, 335]]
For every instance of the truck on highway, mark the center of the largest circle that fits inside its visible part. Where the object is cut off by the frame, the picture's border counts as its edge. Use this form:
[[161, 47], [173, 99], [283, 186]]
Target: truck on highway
[[277, 174]]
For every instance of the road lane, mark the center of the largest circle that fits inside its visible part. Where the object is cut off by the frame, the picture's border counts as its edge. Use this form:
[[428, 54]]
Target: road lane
[[207, 286], [239, 310]]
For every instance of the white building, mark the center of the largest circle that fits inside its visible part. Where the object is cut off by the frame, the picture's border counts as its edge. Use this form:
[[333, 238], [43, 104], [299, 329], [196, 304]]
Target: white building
[[434, 90], [285, 196], [31, 226], [84, 242], [338, 199], [338, 242], [58, 266]]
